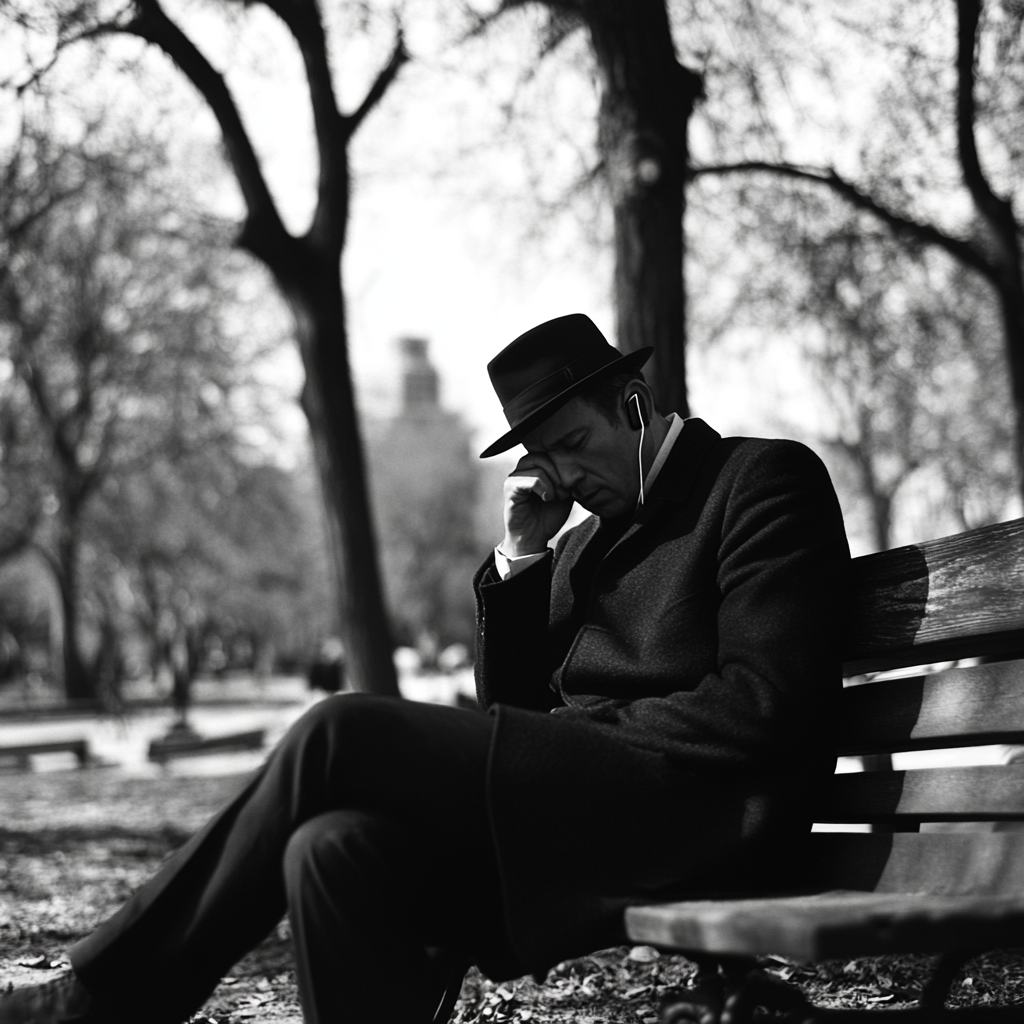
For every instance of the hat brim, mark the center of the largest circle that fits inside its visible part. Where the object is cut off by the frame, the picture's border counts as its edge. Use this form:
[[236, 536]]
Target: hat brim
[[629, 361]]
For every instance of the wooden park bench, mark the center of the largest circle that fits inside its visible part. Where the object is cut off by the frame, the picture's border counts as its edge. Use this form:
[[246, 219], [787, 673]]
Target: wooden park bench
[[897, 888], [21, 753], [189, 744]]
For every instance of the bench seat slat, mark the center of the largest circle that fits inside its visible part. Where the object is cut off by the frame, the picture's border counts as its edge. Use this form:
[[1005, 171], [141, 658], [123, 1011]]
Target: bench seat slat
[[917, 893], [957, 707], [955, 597], [836, 924], [987, 792]]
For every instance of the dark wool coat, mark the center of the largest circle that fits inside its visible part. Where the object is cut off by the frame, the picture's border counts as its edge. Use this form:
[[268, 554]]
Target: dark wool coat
[[664, 696]]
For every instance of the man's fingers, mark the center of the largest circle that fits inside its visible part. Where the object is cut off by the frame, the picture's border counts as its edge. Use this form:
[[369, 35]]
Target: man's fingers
[[537, 464], [525, 484]]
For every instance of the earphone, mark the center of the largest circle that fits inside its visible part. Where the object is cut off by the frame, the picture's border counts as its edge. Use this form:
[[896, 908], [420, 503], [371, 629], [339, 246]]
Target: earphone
[[638, 417], [638, 420]]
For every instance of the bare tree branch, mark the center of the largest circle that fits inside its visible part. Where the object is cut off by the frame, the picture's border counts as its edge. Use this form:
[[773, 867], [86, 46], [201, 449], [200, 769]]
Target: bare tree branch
[[39, 73], [996, 211], [387, 74], [152, 24], [926, 233], [302, 19], [480, 23]]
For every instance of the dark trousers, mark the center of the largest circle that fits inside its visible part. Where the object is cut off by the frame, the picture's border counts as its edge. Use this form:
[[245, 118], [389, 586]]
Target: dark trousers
[[368, 824]]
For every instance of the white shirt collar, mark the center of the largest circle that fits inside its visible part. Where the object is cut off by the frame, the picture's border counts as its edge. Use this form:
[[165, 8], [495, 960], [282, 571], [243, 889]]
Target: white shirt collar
[[674, 430]]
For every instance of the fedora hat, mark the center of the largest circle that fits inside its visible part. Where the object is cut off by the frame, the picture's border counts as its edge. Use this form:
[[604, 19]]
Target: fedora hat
[[535, 375]]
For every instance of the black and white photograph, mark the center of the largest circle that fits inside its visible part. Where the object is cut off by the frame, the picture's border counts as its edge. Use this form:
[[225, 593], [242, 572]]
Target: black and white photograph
[[511, 511]]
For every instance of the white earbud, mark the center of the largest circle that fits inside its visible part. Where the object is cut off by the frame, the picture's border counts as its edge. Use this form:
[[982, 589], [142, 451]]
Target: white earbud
[[640, 451]]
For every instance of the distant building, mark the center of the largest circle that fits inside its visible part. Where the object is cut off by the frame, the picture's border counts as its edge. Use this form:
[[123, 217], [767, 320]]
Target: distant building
[[424, 479]]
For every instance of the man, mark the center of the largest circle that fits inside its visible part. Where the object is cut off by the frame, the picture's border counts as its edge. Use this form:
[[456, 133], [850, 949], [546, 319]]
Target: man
[[661, 688]]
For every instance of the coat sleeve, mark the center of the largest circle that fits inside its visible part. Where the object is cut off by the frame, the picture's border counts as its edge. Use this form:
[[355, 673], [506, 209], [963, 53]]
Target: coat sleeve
[[782, 573], [511, 636]]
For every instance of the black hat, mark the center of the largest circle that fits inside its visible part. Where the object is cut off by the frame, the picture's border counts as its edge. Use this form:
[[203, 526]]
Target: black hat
[[541, 370]]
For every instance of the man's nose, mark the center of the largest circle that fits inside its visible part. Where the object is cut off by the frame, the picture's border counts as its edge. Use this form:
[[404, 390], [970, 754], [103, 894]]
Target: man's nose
[[569, 472]]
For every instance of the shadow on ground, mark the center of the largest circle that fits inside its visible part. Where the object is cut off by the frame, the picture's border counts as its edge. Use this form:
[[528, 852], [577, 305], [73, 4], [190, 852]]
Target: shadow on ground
[[74, 845]]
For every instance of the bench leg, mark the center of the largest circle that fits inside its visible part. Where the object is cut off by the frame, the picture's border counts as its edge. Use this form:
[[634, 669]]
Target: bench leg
[[728, 990], [701, 1004], [936, 989]]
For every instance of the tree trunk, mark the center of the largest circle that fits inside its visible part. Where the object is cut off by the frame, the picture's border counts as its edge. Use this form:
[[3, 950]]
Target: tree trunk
[[328, 400], [79, 683], [1012, 304], [996, 211], [647, 98], [308, 270], [881, 518]]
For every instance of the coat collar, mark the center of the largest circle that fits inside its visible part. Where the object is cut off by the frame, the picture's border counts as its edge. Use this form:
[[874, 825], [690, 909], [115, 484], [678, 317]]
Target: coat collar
[[673, 485], [677, 477]]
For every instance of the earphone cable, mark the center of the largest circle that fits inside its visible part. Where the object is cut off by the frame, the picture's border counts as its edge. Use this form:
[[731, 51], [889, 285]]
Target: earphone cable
[[640, 450]]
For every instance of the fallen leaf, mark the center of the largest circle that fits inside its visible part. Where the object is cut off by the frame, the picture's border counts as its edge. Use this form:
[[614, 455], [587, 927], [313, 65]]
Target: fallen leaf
[[644, 954], [38, 962]]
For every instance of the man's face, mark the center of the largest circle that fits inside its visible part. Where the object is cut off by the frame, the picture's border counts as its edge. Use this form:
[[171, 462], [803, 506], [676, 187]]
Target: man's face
[[595, 461]]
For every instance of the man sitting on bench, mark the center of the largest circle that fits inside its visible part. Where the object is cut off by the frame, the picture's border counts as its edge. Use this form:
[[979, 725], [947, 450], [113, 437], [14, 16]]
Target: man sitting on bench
[[661, 691]]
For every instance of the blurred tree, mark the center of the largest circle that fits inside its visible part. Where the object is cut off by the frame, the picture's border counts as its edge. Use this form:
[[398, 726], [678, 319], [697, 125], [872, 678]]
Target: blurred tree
[[307, 268], [919, 122], [647, 98], [214, 550], [905, 367], [36, 179], [116, 358], [900, 341]]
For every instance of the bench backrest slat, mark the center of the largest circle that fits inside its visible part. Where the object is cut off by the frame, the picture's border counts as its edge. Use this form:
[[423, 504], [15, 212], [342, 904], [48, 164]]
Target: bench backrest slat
[[984, 793], [957, 707], [956, 597], [969, 863]]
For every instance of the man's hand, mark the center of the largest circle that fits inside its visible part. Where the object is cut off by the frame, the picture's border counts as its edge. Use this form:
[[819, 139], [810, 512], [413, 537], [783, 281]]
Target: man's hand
[[536, 506]]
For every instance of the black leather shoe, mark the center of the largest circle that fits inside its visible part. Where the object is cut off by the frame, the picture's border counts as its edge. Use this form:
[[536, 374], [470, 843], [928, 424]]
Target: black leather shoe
[[62, 1000]]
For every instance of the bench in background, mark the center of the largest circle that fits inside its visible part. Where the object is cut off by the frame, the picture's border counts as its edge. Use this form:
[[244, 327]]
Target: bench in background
[[191, 745], [22, 753]]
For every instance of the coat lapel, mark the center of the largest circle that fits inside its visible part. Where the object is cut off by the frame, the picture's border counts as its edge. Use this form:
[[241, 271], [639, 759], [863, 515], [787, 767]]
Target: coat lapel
[[676, 479]]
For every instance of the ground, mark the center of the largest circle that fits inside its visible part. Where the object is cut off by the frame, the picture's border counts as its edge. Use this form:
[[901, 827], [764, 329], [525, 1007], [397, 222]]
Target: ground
[[74, 844]]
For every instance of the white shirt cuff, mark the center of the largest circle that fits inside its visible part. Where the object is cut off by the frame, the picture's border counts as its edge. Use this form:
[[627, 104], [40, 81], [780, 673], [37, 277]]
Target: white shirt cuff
[[508, 566]]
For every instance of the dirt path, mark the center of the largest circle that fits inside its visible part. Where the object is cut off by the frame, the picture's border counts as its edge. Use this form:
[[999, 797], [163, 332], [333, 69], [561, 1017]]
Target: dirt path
[[75, 844]]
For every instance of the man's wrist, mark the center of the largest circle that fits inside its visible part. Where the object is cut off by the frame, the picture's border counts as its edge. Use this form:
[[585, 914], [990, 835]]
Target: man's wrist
[[512, 548]]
